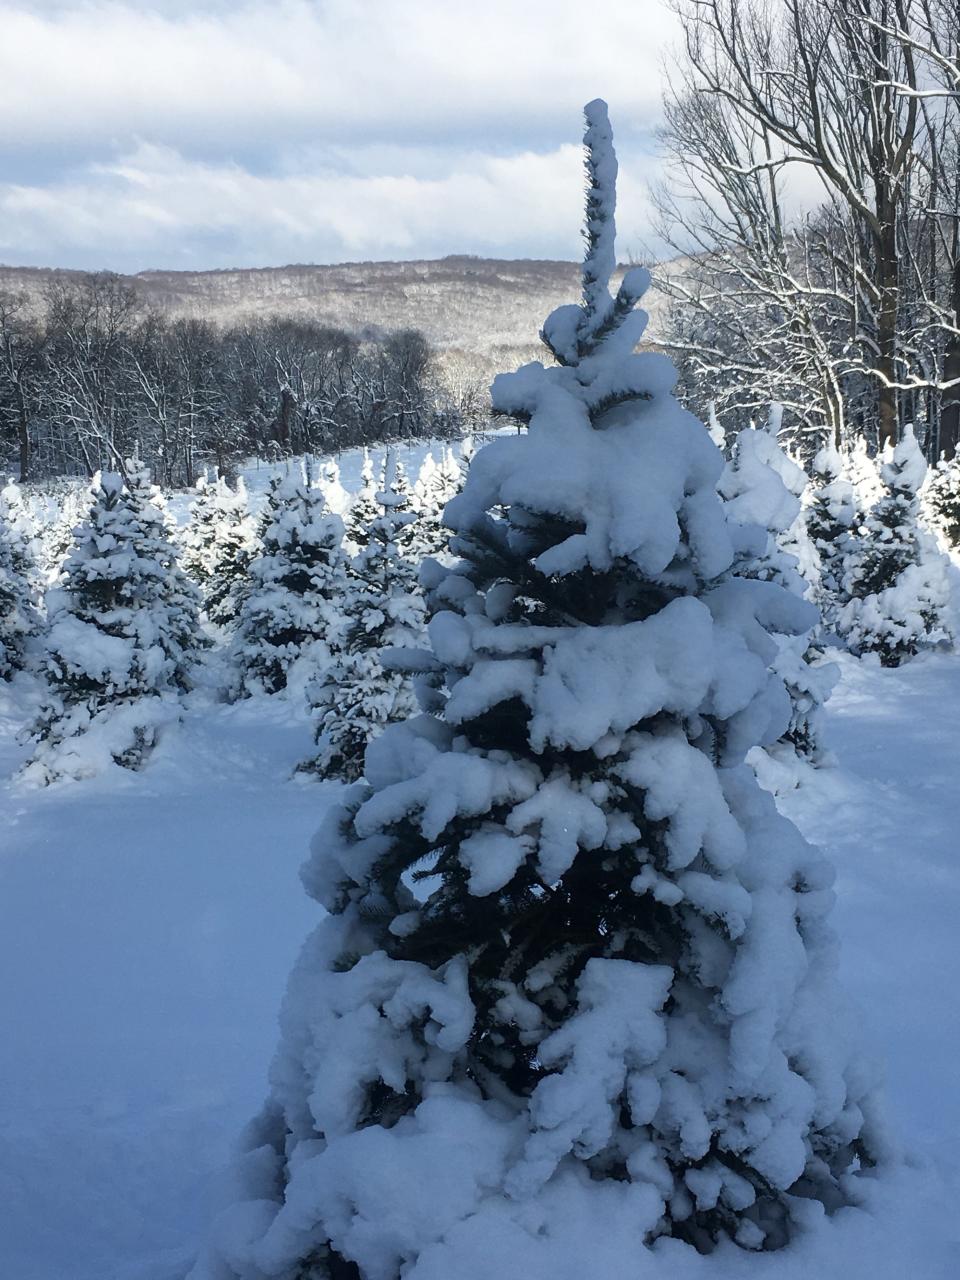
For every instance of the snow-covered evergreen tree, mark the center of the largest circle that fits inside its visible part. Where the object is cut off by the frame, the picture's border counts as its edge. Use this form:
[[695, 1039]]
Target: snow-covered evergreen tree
[[175, 597], [383, 609], [896, 580], [19, 619], [426, 484], [364, 509], [574, 982], [290, 615], [21, 533], [122, 640], [831, 527], [219, 544], [436, 485], [198, 537], [940, 500], [336, 497], [57, 535], [762, 488], [19, 579], [864, 475]]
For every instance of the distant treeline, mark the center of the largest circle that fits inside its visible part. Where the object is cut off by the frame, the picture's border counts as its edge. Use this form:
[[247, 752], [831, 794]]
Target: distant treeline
[[90, 377]]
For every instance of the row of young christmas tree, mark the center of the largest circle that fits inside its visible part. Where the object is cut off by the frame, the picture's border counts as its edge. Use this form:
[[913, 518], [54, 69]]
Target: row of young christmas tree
[[317, 593], [114, 611]]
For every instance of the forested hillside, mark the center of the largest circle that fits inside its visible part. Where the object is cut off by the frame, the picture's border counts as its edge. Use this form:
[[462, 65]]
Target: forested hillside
[[487, 305]]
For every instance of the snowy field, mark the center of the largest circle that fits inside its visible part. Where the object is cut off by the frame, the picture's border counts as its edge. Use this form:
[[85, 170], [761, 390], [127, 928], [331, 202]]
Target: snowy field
[[147, 926]]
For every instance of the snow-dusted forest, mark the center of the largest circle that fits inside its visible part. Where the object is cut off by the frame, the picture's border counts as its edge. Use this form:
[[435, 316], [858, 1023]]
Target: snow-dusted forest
[[509, 836]]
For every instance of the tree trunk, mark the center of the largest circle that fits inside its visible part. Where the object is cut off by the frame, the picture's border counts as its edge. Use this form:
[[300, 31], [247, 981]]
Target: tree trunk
[[23, 435], [888, 281], [950, 409]]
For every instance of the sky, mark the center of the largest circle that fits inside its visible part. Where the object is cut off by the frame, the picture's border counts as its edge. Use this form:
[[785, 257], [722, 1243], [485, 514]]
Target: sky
[[138, 134]]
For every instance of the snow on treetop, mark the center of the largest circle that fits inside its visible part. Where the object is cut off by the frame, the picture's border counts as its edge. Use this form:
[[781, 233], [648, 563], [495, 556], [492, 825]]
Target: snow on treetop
[[827, 462], [110, 482], [761, 484], [638, 489], [572, 331], [600, 229], [906, 470]]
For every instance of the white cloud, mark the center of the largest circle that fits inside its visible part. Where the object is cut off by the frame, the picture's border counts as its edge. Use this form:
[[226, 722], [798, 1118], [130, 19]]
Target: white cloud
[[327, 69], [280, 129], [154, 207]]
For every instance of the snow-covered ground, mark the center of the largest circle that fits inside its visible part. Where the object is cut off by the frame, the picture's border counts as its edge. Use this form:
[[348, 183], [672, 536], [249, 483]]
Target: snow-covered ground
[[147, 927], [148, 923]]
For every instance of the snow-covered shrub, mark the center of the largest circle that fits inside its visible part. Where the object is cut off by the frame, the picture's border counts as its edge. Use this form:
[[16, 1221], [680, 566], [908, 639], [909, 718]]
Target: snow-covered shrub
[[383, 608], [290, 614], [219, 543], [123, 636], [574, 982], [762, 488], [940, 501], [896, 580]]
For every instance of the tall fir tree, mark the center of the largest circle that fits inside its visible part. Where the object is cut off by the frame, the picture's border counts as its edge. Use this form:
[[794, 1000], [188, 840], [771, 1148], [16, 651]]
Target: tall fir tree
[[355, 697], [574, 989], [123, 636], [290, 620], [896, 579]]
